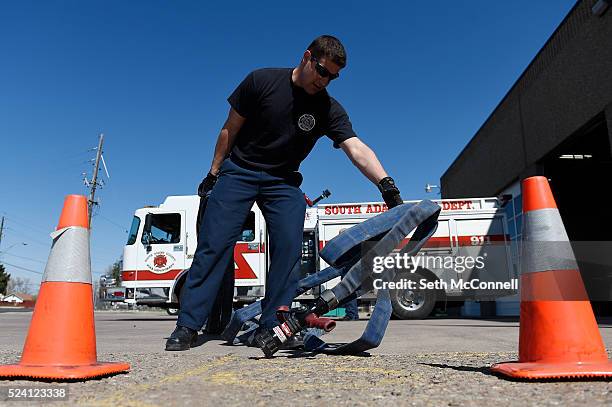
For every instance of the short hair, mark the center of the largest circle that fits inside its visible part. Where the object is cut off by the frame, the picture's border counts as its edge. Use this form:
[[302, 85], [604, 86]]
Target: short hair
[[329, 47]]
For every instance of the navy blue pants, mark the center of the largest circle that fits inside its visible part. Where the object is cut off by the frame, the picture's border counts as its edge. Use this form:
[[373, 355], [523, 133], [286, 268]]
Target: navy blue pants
[[352, 309], [283, 206]]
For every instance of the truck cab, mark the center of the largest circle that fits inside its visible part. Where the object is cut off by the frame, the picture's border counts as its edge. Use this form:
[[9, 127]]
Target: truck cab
[[161, 246]]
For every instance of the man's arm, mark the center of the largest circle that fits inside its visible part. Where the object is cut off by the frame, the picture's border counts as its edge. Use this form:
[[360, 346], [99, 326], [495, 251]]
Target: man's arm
[[226, 139], [364, 158]]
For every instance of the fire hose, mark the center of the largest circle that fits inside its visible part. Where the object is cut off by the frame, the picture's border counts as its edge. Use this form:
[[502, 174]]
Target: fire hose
[[344, 254]]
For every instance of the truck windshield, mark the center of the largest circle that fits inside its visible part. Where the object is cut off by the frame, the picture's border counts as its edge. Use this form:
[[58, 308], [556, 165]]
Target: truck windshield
[[133, 230], [165, 228]]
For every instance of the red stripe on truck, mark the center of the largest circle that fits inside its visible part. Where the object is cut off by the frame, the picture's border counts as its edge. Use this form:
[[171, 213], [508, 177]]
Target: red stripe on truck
[[243, 270], [468, 240], [138, 275], [480, 240]]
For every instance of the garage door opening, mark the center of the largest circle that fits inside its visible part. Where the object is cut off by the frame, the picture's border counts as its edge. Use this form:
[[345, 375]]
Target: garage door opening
[[579, 171]]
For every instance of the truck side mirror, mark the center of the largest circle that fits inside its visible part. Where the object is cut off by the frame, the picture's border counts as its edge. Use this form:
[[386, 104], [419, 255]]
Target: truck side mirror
[[146, 233]]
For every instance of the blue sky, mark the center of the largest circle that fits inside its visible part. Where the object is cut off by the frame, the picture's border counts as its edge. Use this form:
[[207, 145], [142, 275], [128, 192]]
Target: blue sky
[[154, 76]]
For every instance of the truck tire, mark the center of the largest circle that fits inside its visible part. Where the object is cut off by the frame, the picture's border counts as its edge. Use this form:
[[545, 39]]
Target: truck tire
[[412, 304], [172, 311]]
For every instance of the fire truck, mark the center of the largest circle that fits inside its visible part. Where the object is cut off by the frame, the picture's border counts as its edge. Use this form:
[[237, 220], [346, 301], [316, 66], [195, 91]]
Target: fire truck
[[162, 241]]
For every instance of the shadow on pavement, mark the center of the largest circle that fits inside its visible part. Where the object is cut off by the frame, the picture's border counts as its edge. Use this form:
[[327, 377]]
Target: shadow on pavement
[[303, 354], [483, 370], [486, 371], [475, 326], [299, 353], [203, 338]]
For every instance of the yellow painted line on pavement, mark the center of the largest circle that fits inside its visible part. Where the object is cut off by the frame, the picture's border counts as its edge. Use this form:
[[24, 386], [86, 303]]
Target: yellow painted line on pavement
[[252, 376], [193, 372], [129, 397], [372, 370]]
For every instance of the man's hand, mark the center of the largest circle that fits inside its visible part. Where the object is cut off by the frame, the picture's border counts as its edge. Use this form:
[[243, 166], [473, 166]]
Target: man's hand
[[207, 184], [390, 193]]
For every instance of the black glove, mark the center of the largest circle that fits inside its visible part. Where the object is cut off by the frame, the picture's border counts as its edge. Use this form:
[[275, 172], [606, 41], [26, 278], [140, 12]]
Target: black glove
[[207, 184], [390, 193]]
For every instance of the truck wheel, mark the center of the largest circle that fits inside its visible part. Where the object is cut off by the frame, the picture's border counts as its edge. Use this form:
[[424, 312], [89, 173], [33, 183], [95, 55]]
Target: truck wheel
[[412, 304], [172, 311]]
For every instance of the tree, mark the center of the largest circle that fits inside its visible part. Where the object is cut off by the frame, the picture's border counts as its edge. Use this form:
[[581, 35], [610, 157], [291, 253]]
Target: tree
[[112, 272], [4, 279], [115, 270], [20, 285]]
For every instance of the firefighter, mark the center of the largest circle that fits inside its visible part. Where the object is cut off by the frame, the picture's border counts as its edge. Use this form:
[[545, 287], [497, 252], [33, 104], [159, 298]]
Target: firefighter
[[276, 116]]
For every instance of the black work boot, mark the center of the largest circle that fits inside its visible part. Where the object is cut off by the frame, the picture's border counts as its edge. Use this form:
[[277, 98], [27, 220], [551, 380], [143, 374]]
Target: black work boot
[[182, 338]]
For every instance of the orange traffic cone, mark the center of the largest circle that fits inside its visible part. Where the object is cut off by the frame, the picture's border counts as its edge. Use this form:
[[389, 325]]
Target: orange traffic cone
[[61, 342], [558, 336]]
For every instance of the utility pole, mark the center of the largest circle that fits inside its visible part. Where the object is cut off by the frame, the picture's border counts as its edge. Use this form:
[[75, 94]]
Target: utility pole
[[94, 180], [1, 230]]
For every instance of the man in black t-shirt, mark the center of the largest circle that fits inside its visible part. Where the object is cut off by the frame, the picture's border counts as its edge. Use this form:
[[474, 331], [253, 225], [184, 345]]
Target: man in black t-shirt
[[276, 117]]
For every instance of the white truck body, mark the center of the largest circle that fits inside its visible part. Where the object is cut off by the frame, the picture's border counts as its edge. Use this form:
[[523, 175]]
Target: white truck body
[[151, 271]]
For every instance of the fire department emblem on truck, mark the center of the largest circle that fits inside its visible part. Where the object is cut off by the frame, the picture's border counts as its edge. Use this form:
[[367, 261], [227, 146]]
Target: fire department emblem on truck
[[159, 262]]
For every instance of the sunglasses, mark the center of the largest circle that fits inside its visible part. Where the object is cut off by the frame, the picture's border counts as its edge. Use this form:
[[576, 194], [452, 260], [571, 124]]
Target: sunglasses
[[323, 71]]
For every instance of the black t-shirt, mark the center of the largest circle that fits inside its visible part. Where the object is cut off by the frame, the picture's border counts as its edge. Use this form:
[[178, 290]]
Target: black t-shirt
[[283, 122]]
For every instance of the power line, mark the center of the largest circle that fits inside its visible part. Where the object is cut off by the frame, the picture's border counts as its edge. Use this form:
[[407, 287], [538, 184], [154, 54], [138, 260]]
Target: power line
[[47, 245], [38, 272], [69, 160], [74, 155], [113, 222], [102, 263], [25, 258], [22, 268], [29, 283], [65, 167], [20, 221]]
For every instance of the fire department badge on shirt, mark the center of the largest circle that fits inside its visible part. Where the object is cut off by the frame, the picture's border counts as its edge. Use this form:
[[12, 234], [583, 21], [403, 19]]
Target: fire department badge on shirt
[[306, 122]]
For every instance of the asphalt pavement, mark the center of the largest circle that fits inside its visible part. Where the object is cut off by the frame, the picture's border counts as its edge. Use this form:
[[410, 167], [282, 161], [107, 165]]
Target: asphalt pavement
[[422, 363]]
